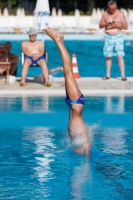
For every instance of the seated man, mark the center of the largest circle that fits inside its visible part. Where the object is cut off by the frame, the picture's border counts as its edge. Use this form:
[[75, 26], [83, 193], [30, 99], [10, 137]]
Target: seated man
[[12, 58], [2, 48], [34, 54]]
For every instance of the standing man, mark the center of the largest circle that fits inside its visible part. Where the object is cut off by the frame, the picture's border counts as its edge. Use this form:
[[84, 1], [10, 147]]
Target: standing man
[[34, 55], [113, 20]]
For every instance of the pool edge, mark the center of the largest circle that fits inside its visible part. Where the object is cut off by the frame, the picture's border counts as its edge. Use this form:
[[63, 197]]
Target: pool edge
[[62, 92]]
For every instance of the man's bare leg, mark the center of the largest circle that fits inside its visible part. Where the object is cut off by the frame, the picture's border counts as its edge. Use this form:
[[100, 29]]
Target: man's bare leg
[[13, 68], [26, 65], [71, 86], [2, 69], [45, 72], [122, 67], [55, 70], [108, 68]]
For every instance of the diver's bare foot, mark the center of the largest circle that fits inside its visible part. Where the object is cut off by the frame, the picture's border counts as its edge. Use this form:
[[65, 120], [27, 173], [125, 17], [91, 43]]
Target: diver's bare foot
[[22, 83], [57, 37]]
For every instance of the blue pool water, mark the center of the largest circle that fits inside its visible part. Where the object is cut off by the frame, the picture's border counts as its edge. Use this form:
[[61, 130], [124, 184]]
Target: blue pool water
[[91, 61], [36, 161]]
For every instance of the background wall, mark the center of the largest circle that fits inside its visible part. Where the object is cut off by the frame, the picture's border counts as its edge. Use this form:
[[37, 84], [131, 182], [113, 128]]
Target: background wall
[[85, 6]]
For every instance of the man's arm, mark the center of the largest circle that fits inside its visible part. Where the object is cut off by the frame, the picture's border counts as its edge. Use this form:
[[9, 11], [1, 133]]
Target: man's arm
[[117, 25], [14, 58], [41, 49], [120, 25], [102, 22], [124, 22], [24, 49]]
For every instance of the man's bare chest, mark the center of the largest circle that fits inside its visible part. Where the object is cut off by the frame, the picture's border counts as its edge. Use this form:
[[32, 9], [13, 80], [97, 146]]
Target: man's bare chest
[[113, 18], [32, 46]]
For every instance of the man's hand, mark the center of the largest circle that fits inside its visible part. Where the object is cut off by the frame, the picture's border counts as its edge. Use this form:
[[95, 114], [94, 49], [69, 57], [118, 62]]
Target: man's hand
[[35, 57], [117, 25], [108, 26], [113, 25]]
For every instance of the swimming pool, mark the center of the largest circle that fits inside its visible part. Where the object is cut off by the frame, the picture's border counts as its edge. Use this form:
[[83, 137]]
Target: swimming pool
[[35, 152], [91, 61]]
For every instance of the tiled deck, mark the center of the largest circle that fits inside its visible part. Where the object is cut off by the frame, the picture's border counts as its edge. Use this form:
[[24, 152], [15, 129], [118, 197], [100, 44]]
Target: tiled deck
[[87, 86]]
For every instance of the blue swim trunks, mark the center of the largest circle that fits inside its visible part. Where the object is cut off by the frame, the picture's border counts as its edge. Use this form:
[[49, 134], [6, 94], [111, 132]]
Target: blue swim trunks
[[34, 62], [113, 45], [78, 101]]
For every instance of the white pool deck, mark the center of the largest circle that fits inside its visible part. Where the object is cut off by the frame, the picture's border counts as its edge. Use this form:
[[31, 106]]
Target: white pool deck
[[88, 86]]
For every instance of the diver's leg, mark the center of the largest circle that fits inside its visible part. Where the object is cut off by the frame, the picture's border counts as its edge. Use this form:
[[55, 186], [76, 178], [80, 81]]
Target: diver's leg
[[72, 89]]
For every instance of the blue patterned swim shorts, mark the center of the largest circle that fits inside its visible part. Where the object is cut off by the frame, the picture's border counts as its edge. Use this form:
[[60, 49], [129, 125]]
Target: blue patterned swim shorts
[[113, 45]]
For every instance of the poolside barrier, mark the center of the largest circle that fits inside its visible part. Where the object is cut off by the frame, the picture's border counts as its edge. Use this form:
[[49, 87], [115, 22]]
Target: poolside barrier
[[75, 66]]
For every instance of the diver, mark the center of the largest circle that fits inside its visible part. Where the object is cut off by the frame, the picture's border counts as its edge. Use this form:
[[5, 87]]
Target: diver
[[77, 128]]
